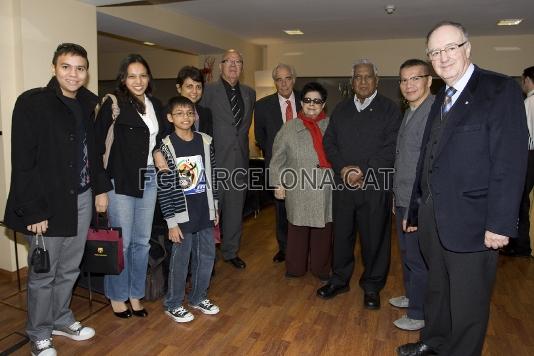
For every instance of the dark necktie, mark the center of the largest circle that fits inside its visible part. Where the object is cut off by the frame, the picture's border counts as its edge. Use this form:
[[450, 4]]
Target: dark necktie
[[289, 110], [447, 102], [235, 107]]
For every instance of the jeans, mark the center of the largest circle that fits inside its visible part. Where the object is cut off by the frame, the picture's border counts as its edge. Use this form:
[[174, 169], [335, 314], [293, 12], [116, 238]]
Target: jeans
[[134, 216], [201, 247]]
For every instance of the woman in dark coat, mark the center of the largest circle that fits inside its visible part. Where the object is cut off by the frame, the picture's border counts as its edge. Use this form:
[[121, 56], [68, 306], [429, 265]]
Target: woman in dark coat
[[130, 178]]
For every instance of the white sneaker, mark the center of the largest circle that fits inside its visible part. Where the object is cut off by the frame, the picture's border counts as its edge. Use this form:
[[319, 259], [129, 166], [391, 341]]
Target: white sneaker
[[400, 302], [406, 323], [76, 332], [180, 315], [206, 307], [43, 348]]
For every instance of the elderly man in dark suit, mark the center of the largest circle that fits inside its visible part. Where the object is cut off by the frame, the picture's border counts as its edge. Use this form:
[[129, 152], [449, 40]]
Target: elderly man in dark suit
[[231, 105], [466, 195], [270, 114]]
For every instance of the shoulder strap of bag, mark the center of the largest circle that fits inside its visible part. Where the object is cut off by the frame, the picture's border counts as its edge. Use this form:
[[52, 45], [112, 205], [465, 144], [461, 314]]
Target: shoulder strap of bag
[[115, 112]]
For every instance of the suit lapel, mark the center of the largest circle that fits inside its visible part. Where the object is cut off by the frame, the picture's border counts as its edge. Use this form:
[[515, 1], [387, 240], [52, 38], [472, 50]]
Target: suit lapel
[[224, 102], [459, 111], [275, 108]]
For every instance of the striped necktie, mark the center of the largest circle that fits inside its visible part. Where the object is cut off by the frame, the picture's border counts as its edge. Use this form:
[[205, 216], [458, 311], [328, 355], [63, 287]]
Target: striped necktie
[[447, 102], [235, 107]]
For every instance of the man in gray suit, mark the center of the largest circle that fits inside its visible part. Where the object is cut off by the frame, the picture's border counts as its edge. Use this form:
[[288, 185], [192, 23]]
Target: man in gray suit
[[415, 81], [231, 104]]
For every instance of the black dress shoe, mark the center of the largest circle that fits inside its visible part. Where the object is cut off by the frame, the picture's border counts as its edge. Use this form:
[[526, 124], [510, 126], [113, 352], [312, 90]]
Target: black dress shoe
[[123, 314], [140, 313], [330, 290], [237, 262], [415, 349], [279, 257], [371, 300]]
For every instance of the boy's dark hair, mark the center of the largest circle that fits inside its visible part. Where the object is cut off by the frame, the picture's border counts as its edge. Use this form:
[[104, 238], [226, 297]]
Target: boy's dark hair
[[416, 62], [313, 86], [70, 48], [189, 72], [122, 91], [179, 101], [529, 73]]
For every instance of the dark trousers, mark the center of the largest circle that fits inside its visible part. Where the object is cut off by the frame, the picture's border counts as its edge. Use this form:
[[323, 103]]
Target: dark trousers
[[281, 224], [231, 204], [458, 292], [304, 241], [414, 269], [369, 213], [522, 243]]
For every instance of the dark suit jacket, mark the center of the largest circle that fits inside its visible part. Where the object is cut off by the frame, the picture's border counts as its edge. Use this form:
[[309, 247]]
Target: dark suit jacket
[[231, 143], [268, 121], [478, 173], [205, 120]]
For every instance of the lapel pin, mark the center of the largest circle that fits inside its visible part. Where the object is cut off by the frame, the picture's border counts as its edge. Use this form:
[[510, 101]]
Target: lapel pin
[[467, 102]]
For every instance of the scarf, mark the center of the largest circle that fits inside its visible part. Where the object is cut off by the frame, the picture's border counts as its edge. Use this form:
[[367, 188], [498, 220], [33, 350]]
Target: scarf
[[317, 136]]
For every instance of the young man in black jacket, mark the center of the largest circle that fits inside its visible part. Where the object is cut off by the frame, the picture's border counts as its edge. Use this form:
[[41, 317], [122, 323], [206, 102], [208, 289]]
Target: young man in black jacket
[[54, 168]]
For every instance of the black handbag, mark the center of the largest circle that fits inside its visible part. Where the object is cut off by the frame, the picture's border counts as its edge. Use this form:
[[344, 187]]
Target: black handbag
[[40, 259]]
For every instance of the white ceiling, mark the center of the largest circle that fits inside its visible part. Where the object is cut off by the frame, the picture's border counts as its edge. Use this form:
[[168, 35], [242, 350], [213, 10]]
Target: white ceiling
[[262, 21]]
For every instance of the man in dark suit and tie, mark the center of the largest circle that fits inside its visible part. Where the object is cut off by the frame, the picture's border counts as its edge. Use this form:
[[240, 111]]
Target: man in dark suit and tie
[[231, 105], [466, 195], [270, 114]]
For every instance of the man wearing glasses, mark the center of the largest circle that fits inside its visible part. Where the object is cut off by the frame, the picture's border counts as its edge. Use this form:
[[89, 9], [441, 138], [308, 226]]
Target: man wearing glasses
[[415, 81], [231, 105], [466, 194], [360, 145]]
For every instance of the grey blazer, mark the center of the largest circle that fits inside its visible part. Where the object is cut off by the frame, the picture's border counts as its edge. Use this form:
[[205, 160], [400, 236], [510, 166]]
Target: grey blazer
[[230, 143], [408, 149]]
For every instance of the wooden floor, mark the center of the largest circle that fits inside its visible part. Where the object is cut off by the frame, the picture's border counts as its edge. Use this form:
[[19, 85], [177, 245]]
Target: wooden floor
[[262, 312]]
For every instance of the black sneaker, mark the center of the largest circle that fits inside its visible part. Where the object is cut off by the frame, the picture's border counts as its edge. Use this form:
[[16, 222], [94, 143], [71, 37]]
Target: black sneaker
[[43, 348], [206, 307], [180, 315]]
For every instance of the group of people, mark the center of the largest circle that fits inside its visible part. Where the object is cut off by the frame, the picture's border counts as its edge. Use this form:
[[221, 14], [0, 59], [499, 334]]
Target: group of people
[[455, 164]]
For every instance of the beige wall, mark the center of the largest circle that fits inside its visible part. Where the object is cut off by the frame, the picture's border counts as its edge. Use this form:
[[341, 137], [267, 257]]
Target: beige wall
[[195, 30], [163, 64], [30, 30], [336, 58]]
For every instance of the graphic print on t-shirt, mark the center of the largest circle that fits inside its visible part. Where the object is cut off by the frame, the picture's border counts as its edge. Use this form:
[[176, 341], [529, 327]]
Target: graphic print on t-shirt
[[191, 174]]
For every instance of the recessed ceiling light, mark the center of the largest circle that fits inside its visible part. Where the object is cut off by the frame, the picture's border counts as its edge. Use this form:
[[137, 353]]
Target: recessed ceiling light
[[294, 32], [509, 22], [149, 43]]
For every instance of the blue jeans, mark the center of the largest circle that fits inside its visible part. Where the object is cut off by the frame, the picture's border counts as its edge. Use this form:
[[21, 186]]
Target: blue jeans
[[134, 216], [201, 247]]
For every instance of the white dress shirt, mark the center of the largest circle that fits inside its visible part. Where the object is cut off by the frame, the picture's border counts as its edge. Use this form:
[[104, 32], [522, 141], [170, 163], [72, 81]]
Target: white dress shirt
[[361, 106], [283, 105]]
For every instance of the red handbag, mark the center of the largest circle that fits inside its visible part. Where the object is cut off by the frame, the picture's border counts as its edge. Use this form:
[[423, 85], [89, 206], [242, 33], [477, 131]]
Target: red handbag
[[103, 250]]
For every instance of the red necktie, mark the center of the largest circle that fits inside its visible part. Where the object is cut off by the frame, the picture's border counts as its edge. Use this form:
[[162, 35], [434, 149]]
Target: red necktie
[[289, 111]]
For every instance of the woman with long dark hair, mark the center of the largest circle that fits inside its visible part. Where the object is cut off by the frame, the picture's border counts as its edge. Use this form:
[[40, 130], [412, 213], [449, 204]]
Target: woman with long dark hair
[[130, 177]]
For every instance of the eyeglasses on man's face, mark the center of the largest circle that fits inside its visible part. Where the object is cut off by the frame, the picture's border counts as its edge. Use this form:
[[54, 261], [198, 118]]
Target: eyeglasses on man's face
[[235, 62], [413, 80], [434, 54], [315, 101]]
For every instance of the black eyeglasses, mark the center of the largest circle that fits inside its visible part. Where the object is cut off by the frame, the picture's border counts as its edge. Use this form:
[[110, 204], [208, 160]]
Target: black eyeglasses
[[434, 54], [310, 100], [236, 62], [413, 79]]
